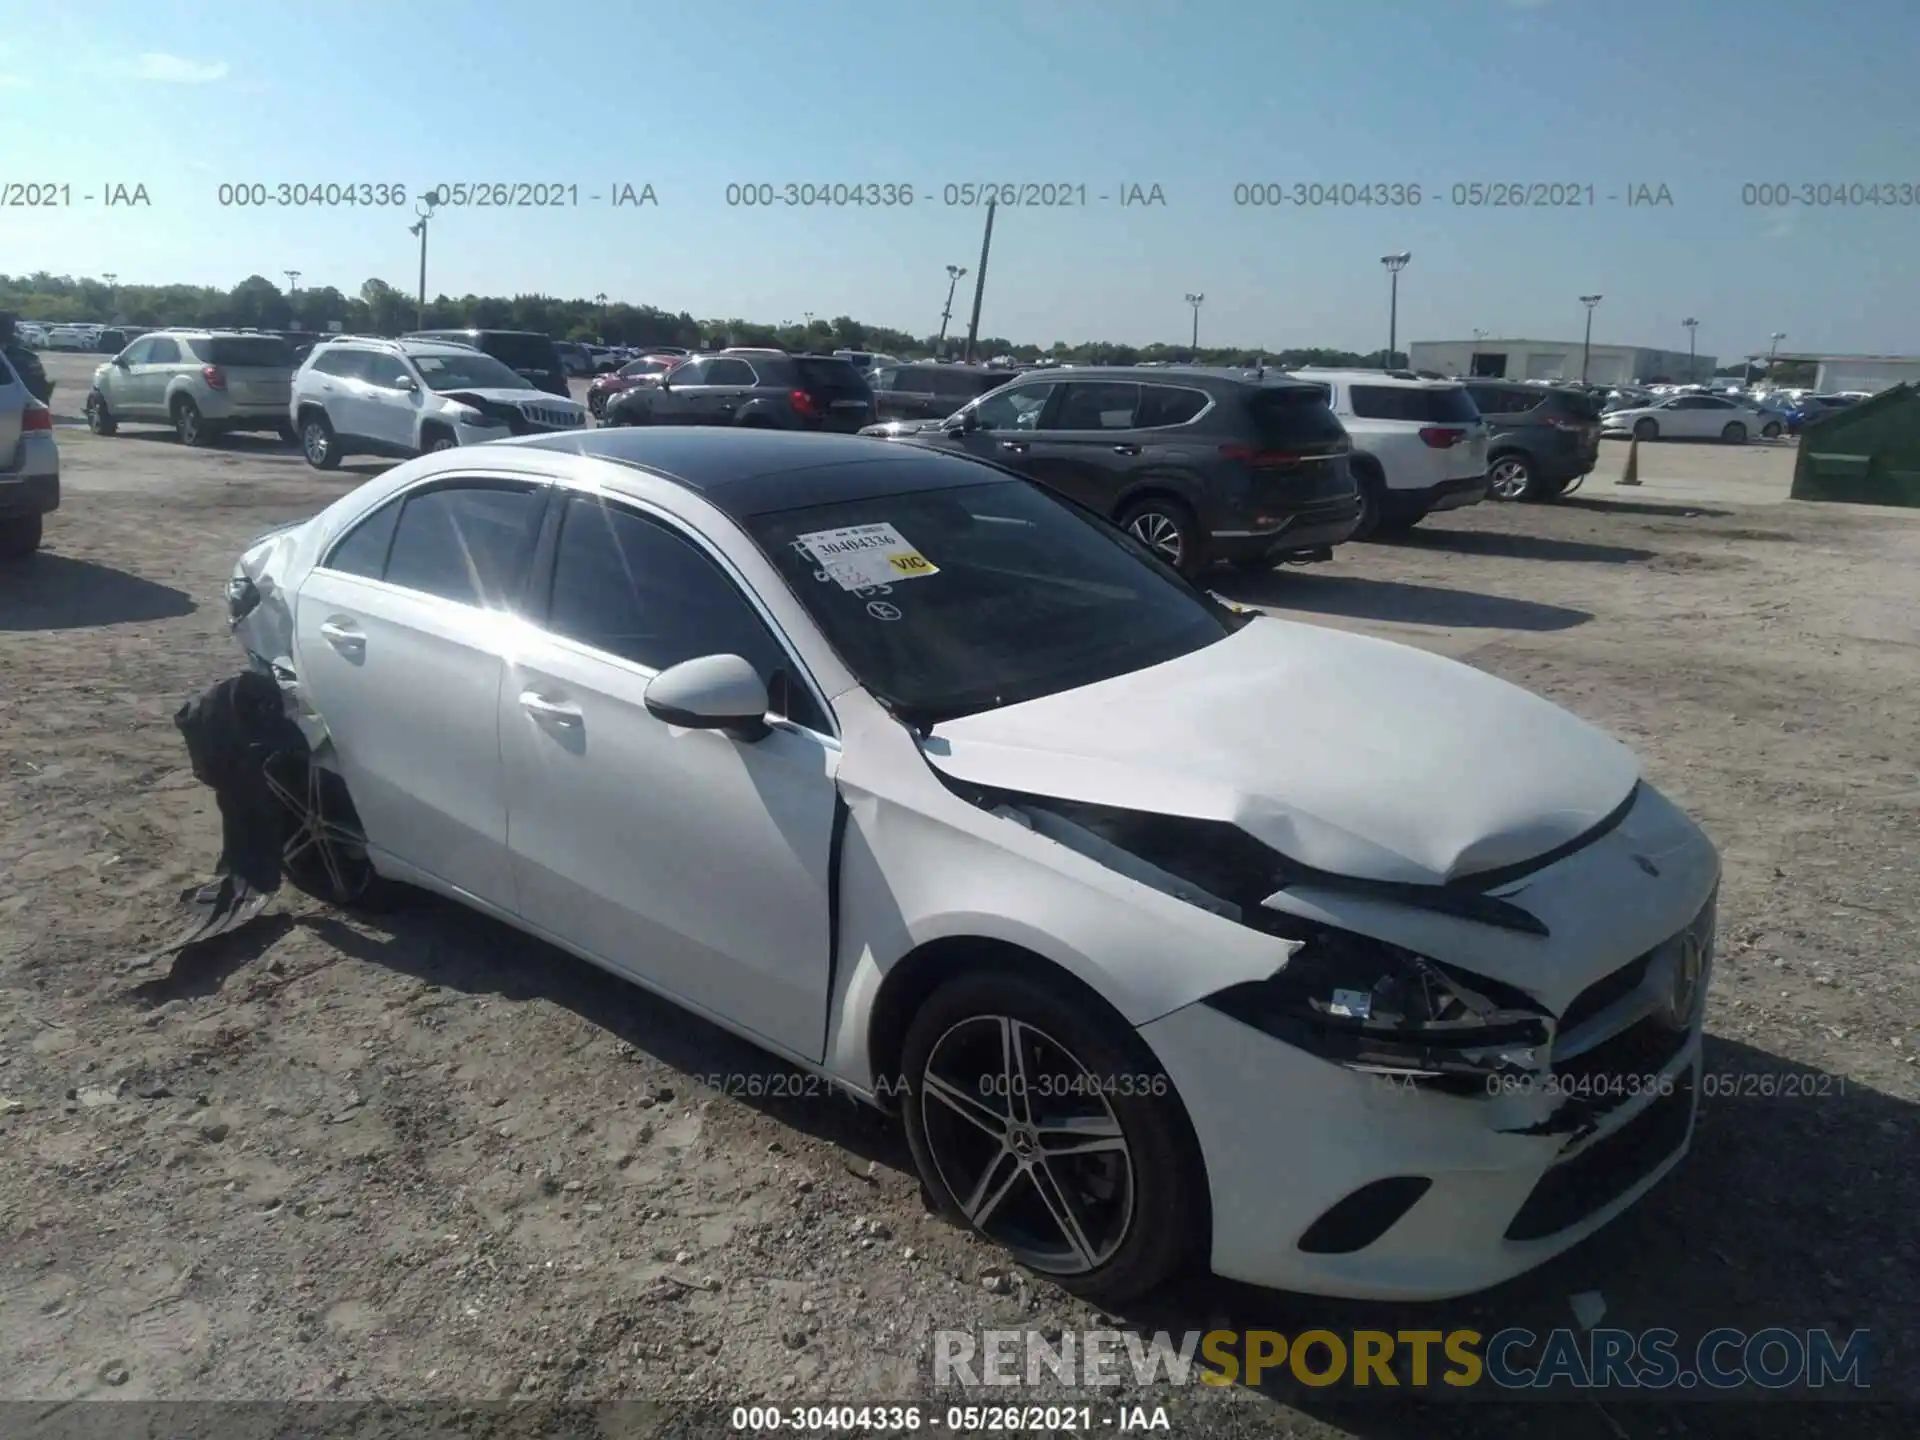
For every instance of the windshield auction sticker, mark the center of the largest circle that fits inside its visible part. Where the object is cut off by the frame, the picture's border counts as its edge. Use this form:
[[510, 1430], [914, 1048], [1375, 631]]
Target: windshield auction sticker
[[859, 557]]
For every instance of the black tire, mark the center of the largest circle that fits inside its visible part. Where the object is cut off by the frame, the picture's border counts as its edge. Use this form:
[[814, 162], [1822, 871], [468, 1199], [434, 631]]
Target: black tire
[[1771, 430], [1735, 433], [100, 419], [1140, 1212], [1646, 428], [436, 440], [190, 425], [1512, 477], [1168, 528], [596, 404], [20, 536], [318, 442], [1373, 499], [326, 857], [1553, 489]]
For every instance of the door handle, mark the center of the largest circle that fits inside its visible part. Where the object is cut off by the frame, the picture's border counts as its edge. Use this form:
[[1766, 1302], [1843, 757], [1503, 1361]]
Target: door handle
[[1018, 446], [343, 637], [537, 705], [1126, 449]]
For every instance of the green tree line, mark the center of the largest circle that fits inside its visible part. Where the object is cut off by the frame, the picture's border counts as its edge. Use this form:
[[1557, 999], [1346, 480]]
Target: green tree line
[[380, 309]]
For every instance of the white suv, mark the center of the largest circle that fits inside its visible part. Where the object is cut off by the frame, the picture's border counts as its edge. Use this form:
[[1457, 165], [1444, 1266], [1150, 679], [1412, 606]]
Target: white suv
[[1419, 446], [405, 397]]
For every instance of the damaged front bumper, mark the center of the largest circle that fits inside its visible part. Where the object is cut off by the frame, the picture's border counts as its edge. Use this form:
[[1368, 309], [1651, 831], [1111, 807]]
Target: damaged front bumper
[[1333, 1182]]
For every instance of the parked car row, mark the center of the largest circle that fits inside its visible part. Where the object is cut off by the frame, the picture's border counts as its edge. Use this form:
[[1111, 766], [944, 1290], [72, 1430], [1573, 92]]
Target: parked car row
[[348, 395]]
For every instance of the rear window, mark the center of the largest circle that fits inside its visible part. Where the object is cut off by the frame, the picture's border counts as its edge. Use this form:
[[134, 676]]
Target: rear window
[[522, 352], [243, 351], [819, 374], [1437, 405], [1287, 415], [1574, 404]]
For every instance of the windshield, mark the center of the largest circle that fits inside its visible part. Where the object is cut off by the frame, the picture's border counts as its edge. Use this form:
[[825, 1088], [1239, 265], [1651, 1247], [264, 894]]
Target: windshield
[[947, 602], [466, 372]]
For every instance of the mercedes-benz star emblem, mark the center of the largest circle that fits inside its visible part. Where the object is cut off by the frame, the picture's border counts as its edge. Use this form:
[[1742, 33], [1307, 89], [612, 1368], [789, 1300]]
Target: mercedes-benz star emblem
[[1684, 994], [1647, 865]]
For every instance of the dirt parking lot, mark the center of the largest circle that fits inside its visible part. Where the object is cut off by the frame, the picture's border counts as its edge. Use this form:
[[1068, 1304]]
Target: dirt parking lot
[[430, 1159]]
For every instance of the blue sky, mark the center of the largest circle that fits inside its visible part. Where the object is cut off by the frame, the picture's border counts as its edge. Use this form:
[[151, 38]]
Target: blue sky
[[1195, 96]]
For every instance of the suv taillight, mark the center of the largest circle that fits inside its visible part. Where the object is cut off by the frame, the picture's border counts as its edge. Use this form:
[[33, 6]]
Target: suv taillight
[[215, 377], [805, 405], [1441, 437], [1560, 423], [36, 417]]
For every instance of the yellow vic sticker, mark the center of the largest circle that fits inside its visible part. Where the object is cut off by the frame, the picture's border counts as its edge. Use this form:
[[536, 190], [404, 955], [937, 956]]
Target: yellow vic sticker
[[913, 563]]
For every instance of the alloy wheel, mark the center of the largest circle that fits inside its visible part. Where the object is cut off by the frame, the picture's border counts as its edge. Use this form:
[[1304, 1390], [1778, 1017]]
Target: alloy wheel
[[325, 851], [1159, 532], [1509, 478], [1025, 1141], [315, 441]]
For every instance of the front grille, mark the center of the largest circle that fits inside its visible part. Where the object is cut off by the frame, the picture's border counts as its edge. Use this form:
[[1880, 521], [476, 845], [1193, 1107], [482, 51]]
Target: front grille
[[551, 417], [1608, 1168]]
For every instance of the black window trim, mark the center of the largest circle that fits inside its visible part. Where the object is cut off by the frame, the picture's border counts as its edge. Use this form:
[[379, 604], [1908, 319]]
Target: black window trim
[[465, 480], [543, 570]]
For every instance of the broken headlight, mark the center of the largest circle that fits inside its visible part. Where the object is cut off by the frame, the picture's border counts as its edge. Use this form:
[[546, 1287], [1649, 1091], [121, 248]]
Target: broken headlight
[[243, 598], [1376, 1007]]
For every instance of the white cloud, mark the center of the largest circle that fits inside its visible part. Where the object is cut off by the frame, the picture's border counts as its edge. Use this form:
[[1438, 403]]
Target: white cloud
[[173, 70]]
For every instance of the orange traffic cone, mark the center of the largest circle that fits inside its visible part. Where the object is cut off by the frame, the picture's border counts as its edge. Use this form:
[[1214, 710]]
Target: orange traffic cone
[[1631, 475]]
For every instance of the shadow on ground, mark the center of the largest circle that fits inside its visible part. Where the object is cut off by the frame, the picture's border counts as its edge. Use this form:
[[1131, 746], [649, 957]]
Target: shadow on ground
[[1361, 598], [1640, 507], [57, 592], [1513, 547]]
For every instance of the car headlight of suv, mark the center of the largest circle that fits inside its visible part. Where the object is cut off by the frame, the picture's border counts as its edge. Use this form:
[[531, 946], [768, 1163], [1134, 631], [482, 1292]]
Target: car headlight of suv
[[478, 418], [1379, 1008]]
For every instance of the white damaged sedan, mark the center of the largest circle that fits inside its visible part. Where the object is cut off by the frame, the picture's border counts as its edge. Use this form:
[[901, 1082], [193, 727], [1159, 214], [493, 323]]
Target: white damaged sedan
[[1170, 941]]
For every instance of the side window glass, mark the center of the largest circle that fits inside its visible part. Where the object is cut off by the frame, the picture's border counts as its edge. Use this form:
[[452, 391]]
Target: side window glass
[[363, 549], [137, 352], [1098, 406], [730, 372], [630, 586], [1162, 405], [468, 543], [1015, 409], [692, 372], [164, 352], [379, 368]]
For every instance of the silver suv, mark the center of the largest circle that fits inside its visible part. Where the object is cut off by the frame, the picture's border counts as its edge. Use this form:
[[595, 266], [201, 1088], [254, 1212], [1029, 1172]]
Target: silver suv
[[29, 466], [204, 383], [400, 398]]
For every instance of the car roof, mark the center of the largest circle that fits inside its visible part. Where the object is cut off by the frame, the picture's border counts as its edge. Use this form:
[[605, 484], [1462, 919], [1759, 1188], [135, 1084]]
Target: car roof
[[1130, 374], [747, 471], [477, 330], [1378, 377]]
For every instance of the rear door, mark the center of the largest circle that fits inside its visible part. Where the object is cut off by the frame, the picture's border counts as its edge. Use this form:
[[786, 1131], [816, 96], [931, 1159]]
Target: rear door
[[401, 634], [1087, 446], [389, 411], [258, 368], [729, 384]]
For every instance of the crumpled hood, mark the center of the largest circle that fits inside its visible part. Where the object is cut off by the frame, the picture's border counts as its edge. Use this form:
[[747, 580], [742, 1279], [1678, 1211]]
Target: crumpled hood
[[1352, 755], [515, 398]]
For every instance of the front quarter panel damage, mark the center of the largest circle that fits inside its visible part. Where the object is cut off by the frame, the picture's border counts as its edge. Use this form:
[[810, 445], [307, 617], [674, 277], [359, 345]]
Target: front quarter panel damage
[[921, 864]]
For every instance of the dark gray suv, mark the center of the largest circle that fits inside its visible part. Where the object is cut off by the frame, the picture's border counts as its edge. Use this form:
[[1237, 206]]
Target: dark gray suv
[[932, 392], [769, 389], [1245, 467], [1540, 438]]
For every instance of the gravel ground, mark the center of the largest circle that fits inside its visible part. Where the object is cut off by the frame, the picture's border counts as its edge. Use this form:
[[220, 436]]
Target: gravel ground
[[431, 1160]]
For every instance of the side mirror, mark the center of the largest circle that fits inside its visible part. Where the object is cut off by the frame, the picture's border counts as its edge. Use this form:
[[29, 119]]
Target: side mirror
[[409, 384], [121, 361], [965, 423], [713, 692]]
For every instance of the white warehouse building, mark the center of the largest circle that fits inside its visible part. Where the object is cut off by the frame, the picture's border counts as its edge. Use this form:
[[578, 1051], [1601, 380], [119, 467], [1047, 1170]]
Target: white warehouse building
[[1557, 360], [1871, 373]]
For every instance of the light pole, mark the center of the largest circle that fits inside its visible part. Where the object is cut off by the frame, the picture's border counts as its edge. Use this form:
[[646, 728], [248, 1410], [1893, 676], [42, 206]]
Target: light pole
[[293, 281], [112, 278], [954, 272], [1693, 337], [428, 204], [1195, 300], [1586, 345], [980, 279], [1395, 264]]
